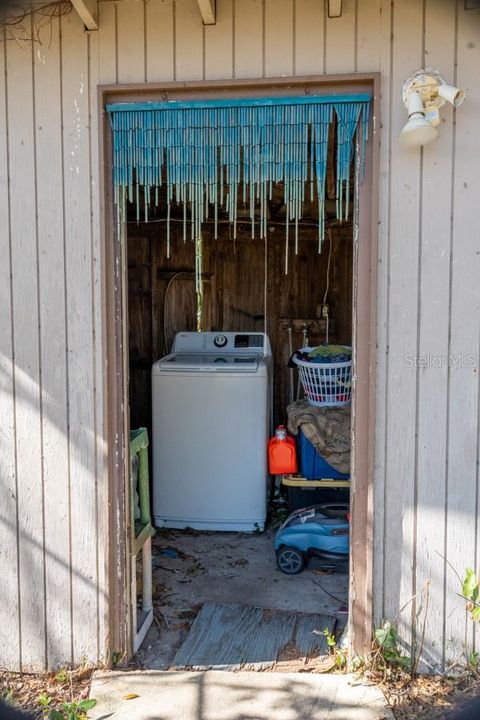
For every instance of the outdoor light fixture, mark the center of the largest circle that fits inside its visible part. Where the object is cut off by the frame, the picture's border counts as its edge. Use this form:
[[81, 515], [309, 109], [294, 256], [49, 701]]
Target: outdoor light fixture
[[334, 8], [424, 93]]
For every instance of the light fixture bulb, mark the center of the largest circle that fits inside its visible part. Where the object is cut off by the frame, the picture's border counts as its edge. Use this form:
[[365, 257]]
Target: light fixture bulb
[[417, 131], [451, 94], [414, 103]]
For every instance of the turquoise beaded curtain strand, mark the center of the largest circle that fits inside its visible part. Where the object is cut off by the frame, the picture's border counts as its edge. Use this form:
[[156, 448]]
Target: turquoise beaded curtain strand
[[212, 153]]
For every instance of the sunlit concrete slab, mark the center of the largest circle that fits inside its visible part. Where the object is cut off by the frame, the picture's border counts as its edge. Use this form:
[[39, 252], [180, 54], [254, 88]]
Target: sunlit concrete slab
[[217, 695]]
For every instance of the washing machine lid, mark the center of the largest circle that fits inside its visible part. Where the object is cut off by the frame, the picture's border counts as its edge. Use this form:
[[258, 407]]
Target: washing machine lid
[[210, 362]]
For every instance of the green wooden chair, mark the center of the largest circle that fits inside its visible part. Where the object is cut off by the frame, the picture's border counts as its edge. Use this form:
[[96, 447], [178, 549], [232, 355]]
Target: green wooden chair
[[142, 532]]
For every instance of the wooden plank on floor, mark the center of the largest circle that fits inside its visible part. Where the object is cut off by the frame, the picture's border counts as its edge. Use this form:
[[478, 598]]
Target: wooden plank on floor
[[232, 636]]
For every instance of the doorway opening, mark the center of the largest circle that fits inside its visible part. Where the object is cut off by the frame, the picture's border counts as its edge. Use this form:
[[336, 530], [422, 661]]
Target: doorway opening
[[194, 567], [297, 293]]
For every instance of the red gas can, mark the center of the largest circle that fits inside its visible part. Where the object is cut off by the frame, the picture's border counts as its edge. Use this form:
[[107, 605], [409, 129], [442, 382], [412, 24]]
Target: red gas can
[[282, 456]]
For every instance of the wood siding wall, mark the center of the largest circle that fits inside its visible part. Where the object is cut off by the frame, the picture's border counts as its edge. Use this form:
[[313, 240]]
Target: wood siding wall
[[53, 485]]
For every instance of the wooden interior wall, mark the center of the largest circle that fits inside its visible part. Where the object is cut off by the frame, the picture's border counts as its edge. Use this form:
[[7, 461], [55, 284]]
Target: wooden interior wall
[[234, 289]]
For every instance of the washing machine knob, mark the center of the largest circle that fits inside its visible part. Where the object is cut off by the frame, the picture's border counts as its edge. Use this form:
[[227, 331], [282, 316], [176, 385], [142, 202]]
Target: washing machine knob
[[220, 341]]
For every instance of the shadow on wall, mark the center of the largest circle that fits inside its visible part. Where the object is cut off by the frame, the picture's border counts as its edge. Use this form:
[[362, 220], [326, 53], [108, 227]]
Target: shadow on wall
[[15, 615], [421, 619], [52, 600]]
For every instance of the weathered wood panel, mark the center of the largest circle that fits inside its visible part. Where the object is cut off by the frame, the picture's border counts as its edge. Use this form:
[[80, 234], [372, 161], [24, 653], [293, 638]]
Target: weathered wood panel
[[383, 273], [434, 268], [140, 301], [27, 378], [248, 39], [278, 38], [463, 446], [340, 47], [234, 637], [371, 19], [131, 41], [243, 267], [9, 567], [107, 34], [98, 369], [219, 43], [53, 342], [189, 41], [80, 339], [402, 321], [309, 37], [159, 40]]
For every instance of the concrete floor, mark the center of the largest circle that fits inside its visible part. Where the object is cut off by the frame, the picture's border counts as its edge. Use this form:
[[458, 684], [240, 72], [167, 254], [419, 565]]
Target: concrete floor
[[191, 568], [234, 696]]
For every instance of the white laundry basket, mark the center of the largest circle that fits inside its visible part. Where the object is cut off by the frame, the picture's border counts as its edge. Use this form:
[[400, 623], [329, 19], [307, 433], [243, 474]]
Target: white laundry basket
[[325, 384]]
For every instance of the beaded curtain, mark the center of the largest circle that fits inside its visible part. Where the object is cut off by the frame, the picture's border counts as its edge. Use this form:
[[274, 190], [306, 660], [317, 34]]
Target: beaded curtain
[[205, 152]]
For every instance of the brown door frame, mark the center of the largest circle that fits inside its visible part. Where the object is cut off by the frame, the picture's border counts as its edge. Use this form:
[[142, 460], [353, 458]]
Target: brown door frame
[[115, 341]]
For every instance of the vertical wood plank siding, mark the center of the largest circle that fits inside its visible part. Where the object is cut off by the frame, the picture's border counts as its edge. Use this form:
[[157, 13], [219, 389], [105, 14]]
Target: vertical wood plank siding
[[402, 319], [25, 311], [9, 588], [53, 594], [432, 328], [53, 318], [461, 517]]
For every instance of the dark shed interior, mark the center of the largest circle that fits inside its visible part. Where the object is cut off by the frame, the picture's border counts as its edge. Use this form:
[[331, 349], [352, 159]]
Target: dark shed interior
[[242, 278]]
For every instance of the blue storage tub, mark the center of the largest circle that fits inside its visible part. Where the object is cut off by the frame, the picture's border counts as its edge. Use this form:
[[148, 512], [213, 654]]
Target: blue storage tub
[[312, 465]]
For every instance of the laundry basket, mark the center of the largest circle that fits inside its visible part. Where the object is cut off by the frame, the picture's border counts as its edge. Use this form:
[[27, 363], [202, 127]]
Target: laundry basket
[[325, 384]]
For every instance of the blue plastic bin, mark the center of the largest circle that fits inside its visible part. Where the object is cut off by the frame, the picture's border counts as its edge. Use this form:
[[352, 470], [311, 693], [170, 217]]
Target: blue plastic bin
[[312, 465]]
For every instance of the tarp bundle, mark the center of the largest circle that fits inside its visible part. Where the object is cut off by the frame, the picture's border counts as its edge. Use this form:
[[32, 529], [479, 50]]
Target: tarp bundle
[[205, 151], [327, 428]]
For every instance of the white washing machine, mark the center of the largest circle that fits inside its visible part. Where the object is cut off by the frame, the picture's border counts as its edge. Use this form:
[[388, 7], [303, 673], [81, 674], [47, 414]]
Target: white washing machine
[[211, 415]]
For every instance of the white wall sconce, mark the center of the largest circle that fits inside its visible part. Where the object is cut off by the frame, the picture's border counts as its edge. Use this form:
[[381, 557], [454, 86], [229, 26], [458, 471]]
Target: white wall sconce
[[424, 93]]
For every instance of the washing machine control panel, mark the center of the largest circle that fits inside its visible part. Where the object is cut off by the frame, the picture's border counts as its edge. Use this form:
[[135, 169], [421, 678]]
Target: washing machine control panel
[[249, 341], [234, 343]]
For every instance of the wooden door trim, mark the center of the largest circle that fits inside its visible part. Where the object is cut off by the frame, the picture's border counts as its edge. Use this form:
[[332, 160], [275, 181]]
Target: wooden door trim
[[115, 372]]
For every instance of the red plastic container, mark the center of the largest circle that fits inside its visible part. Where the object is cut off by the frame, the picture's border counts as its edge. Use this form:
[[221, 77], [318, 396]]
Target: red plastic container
[[282, 455]]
